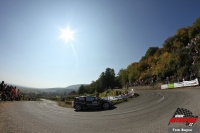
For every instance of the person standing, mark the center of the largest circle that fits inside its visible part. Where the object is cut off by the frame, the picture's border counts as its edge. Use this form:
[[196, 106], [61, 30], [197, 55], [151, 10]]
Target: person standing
[[15, 91], [18, 94], [2, 86]]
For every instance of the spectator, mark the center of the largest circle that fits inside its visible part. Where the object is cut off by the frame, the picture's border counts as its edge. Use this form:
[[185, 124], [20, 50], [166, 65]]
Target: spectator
[[194, 62], [5, 86], [194, 76], [2, 86], [152, 80], [191, 77], [18, 94], [178, 80], [15, 91], [197, 53]]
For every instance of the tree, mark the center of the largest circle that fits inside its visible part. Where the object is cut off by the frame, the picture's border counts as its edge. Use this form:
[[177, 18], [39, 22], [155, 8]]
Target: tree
[[106, 80], [81, 90], [151, 51], [117, 82], [168, 43], [133, 72], [181, 38], [110, 78], [123, 76], [195, 29]]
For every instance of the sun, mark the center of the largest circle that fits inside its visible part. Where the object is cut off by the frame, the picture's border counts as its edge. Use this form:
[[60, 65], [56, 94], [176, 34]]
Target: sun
[[67, 34]]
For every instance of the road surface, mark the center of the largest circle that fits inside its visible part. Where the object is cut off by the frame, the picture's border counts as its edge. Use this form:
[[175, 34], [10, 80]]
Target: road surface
[[148, 113]]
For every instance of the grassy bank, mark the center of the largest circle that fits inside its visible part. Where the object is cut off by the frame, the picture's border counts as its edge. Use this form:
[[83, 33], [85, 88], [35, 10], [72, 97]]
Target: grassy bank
[[65, 104]]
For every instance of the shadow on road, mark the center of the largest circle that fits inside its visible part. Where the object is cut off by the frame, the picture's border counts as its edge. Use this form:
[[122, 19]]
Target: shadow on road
[[95, 110]]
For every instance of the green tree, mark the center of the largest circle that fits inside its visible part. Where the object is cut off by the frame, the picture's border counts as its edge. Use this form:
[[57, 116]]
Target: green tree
[[168, 43], [117, 82], [133, 72], [181, 38], [123, 76], [110, 78], [195, 29], [81, 90], [151, 51]]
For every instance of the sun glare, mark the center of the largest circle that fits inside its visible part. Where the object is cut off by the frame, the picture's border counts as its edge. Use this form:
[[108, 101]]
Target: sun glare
[[67, 34]]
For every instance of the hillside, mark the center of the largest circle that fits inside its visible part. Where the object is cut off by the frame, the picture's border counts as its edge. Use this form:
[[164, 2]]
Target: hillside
[[67, 89], [178, 59], [58, 90], [75, 87]]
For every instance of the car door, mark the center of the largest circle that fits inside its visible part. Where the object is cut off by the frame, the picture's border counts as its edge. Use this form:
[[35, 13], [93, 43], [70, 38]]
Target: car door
[[89, 101], [95, 102]]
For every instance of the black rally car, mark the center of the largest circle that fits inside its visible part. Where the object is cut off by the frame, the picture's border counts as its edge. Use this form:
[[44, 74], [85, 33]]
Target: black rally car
[[85, 102]]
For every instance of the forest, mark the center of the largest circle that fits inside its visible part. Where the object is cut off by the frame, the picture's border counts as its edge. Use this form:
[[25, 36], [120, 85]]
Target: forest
[[177, 59]]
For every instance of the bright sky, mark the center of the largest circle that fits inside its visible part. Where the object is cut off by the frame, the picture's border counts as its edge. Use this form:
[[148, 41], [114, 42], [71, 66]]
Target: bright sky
[[57, 43]]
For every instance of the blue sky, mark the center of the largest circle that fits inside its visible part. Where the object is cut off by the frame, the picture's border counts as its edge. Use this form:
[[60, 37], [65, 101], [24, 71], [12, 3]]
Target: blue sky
[[107, 33]]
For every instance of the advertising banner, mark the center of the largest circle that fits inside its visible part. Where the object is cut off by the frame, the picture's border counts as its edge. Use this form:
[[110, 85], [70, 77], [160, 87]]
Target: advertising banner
[[191, 83], [170, 86], [180, 84], [164, 86], [131, 93]]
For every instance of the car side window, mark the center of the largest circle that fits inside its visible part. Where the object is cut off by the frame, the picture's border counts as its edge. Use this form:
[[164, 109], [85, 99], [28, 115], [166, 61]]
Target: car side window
[[80, 99], [90, 98]]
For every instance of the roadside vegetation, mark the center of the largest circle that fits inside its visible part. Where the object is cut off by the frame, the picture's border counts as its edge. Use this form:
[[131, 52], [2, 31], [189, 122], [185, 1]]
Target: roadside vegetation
[[66, 101]]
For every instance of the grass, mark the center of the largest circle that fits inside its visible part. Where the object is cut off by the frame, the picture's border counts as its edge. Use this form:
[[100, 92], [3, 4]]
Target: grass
[[65, 104]]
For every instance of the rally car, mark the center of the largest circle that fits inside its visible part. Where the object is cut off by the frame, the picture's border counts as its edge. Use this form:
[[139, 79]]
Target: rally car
[[86, 102]]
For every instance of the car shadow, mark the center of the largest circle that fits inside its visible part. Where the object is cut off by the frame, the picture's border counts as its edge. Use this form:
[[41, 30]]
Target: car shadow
[[95, 110]]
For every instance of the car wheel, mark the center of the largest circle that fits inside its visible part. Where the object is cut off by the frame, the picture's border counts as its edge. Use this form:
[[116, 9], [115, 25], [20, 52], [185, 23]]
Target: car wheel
[[78, 107], [106, 106]]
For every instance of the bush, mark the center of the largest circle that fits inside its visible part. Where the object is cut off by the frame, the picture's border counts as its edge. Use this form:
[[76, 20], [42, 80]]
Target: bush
[[68, 102]]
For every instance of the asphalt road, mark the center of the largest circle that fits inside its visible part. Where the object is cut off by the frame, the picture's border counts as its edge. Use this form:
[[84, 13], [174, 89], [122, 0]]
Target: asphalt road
[[149, 113]]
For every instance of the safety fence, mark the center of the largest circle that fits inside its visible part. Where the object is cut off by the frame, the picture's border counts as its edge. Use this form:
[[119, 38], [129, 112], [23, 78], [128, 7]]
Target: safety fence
[[119, 97]]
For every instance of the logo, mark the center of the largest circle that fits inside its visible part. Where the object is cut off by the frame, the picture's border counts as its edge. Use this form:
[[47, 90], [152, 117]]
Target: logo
[[182, 115]]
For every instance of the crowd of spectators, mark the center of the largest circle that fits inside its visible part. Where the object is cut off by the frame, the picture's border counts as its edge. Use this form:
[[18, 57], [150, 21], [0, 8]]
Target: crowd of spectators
[[149, 80], [193, 42], [192, 45], [193, 54], [9, 92], [172, 79]]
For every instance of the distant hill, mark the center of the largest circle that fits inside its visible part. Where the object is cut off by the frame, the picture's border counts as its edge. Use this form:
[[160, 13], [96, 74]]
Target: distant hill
[[75, 86], [67, 89], [50, 90]]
